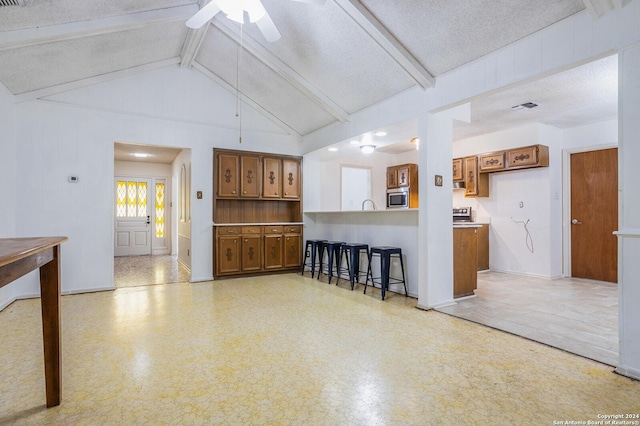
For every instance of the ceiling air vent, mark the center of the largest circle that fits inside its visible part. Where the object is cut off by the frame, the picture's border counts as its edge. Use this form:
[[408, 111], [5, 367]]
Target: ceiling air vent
[[11, 3], [524, 105]]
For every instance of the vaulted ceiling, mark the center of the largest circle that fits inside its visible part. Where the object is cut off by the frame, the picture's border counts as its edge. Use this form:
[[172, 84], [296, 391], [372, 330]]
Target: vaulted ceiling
[[332, 60]]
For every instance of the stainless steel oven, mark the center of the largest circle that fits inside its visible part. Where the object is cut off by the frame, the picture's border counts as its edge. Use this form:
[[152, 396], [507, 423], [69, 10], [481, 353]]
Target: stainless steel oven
[[462, 214], [398, 198]]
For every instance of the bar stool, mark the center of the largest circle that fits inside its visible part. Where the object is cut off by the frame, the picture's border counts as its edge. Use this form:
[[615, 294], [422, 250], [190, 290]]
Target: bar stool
[[333, 254], [310, 250], [352, 253], [385, 253]]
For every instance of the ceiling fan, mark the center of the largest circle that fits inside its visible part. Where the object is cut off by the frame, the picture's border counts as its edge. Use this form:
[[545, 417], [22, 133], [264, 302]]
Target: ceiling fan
[[236, 9]]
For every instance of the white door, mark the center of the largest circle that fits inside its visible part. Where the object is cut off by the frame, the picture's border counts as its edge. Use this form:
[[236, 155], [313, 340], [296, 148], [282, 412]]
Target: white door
[[133, 217]]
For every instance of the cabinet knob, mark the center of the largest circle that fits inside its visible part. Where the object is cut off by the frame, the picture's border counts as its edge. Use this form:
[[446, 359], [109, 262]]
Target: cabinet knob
[[246, 241], [275, 193], [244, 192], [233, 192], [235, 241], [286, 193], [278, 238]]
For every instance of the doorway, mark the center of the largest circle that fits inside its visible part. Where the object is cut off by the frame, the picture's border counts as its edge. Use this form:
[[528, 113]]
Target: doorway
[[594, 214]]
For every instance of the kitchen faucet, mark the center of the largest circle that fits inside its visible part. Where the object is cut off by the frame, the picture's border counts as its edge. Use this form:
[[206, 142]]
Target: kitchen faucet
[[372, 203]]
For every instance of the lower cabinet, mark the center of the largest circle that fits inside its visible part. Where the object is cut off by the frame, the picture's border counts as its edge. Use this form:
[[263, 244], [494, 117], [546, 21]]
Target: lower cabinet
[[465, 255], [256, 249]]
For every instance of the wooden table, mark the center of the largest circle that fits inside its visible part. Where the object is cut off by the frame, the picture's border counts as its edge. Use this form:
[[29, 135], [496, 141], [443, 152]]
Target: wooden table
[[18, 256]]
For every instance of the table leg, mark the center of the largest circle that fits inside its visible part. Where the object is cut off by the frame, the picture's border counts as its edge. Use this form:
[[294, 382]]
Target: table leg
[[50, 301]]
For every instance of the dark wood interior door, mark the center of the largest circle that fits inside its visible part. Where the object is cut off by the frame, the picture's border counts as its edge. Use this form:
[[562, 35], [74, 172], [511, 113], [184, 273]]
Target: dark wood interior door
[[594, 215]]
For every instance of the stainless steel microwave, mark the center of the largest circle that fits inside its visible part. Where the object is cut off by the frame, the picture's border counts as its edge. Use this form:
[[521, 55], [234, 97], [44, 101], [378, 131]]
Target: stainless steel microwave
[[398, 198]]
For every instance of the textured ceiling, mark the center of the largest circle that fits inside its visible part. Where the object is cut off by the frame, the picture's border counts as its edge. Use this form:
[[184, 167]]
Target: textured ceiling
[[328, 64]]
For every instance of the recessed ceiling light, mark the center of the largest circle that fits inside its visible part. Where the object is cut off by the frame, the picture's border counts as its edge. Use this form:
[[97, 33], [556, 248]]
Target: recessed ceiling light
[[141, 155], [380, 134], [354, 142], [333, 149]]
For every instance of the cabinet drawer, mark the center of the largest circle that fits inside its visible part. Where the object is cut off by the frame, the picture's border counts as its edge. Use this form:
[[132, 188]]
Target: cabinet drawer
[[527, 156], [229, 230], [292, 229], [274, 229], [251, 230], [492, 162]]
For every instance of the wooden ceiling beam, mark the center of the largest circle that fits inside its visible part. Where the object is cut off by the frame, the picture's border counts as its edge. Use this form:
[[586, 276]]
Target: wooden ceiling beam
[[381, 35]]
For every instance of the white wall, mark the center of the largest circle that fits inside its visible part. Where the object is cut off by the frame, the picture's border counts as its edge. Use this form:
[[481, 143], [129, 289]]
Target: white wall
[[74, 133], [8, 178]]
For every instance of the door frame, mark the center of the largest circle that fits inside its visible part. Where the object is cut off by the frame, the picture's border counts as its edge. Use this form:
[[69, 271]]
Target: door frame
[[566, 200]]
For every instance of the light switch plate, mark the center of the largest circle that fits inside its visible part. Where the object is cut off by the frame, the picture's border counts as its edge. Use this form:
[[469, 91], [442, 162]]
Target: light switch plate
[[438, 180], [199, 195]]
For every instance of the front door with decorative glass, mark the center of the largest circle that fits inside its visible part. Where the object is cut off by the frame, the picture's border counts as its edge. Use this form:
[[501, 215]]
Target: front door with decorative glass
[[133, 217]]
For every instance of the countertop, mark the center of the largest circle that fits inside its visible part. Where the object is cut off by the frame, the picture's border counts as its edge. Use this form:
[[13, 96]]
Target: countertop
[[258, 224], [362, 211]]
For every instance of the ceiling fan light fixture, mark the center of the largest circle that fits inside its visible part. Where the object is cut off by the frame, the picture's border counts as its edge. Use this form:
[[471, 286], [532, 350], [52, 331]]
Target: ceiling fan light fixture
[[367, 149], [234, 9]]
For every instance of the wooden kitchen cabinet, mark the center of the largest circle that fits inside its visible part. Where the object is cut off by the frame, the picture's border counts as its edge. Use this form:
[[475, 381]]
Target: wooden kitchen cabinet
[[227, 175], [465, 255], [528, 156], [392, 177], [254, 190], [273, 244], [483, 247], [476, 184], [228, 254], [251, 249], [250, 181], [492, 162], [291, 179], [292, 246], [458, 170], [271, 177], [404, 178]]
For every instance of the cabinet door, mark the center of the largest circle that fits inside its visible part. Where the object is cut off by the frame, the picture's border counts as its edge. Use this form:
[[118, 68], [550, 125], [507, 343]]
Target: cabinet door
[[291, 179], [271, 179], [228, 175], [273, 252], [523, 157], [228, 254], [403, 176], [292, 250], [483, 248], [492, 162], [249, 183], [458, 174], [392, 177], [251, 253], [471, 176]]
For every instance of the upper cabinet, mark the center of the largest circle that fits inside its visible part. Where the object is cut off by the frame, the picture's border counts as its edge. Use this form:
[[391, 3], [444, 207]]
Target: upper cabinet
[[458, 170], [271, 177], [402, 176], [290, 179], [474, 170], [476, 185], [251, 175], [250, 181], [227, 175], [491, 162]]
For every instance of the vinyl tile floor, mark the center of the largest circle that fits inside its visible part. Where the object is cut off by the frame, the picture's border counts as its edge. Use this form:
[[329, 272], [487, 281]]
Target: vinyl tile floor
[[289, 350], [576, 315], [133, 271]]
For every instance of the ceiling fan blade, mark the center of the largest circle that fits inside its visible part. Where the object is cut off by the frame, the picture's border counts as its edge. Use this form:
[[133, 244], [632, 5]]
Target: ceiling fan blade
[[268, 28], [318, 2], [203, 15]]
